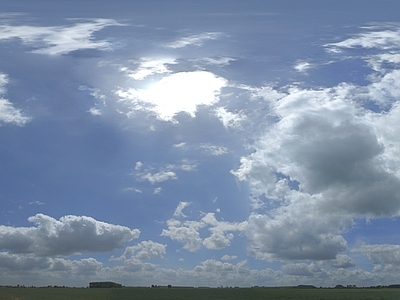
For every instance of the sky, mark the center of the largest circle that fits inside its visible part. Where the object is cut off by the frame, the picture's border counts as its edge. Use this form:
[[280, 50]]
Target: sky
[[199, 143]]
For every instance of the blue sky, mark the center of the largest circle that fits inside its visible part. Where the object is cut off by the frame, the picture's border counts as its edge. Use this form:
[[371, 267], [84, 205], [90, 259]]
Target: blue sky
[[206, 143]]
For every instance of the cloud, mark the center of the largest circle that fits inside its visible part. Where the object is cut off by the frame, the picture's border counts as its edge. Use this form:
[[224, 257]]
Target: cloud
[[343, 261], [230, 120], [57, 40], [301, 269], [157, 191], [302, 66], [8, 113], [187, 232], [214, 150], [287, 234], [387, 254], [178, 92], [166, 173], [23, 262], [159, 177], [193, 40], [178, 211], [148, 67], [376, 38], [146, 250], [67, 236], [219, 237], [229, 257], [213, 61], [326, 157]]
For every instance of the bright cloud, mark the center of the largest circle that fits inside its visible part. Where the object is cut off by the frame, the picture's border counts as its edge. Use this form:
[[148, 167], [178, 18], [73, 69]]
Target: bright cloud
[[149, 66], [178, 92]]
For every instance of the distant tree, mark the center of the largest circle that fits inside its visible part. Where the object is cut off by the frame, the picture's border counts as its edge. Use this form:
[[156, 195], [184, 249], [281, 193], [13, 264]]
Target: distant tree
[[169, 286]]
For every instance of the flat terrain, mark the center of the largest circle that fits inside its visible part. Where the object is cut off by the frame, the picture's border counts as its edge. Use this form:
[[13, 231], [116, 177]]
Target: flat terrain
[[193, 294]]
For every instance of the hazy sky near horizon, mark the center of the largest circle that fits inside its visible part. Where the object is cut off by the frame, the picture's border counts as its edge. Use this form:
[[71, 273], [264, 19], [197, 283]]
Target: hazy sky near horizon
[[201, 143]]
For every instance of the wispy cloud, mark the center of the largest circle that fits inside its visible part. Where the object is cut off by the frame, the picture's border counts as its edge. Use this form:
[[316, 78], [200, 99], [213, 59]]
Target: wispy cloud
[[193, 40], [56, 40]]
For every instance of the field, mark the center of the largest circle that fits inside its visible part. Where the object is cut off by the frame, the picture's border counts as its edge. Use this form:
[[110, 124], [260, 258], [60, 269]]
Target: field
[[193, 294]]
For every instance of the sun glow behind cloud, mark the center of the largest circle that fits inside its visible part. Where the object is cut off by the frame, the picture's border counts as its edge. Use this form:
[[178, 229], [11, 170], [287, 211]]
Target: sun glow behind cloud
[[179, 92]]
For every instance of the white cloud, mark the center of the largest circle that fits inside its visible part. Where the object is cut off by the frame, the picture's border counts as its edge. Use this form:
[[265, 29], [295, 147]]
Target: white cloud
[[382, 39], [302, 66], [229, 119], [168, 172], [219, 237], [95, 111], [193, 40], [138, 165], [159, 177], [328, 158], [67, 236], [56, 40], [146, 250], [178, 92], [8, 113], [178, 211], [149, 66], [188, 232], [229, 257], [301, 269], [157, 191]]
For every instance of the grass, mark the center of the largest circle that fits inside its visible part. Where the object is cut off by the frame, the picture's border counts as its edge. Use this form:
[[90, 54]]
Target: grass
[[193, 294]]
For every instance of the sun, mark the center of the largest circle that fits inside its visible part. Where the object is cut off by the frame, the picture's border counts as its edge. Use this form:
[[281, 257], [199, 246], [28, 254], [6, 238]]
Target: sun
[[182, 92]]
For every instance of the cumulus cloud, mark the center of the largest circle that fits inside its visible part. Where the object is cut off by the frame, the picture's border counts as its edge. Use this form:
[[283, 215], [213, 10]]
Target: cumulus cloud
[[342, 261], [328, 158], [146, 250], [66, 236], [187, 232], [301, 269], [8, 113], [56, 40]]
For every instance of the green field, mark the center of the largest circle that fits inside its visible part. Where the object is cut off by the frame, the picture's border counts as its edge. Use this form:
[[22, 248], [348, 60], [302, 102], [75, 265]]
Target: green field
[[193, 294]]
